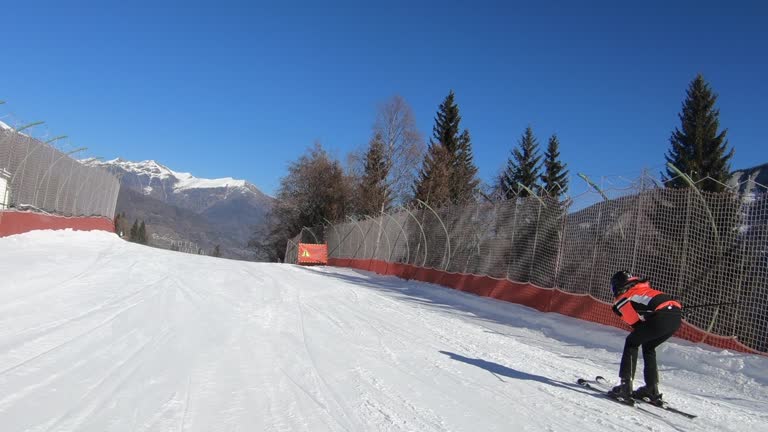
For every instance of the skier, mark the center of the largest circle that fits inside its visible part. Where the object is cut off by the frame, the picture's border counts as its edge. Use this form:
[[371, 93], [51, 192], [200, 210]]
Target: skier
[[654, 317]]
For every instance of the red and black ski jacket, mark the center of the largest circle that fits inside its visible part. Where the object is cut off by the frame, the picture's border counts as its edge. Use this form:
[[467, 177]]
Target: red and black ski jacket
[[640, 302]]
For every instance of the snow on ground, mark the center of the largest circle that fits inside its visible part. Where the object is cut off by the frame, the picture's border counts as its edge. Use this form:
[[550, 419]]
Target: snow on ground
[[97, 334]]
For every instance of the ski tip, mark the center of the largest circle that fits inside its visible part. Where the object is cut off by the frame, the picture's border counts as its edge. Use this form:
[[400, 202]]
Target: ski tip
[[581, 381], [599, 378]]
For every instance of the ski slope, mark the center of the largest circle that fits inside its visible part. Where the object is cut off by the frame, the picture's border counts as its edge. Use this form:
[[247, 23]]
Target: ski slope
[[97, 334]]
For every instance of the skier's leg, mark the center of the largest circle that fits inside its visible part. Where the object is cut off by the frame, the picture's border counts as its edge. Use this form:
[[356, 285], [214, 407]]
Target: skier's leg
[[650, 369], [628, 360], [663, 325], [629, 357]]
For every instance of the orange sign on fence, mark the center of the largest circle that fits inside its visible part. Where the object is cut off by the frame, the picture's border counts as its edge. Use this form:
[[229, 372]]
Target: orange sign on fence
[[313, 253]]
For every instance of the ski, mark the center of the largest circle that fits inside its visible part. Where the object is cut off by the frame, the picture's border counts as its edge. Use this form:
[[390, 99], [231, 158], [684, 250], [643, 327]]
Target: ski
[[602, 385], [591, 385]]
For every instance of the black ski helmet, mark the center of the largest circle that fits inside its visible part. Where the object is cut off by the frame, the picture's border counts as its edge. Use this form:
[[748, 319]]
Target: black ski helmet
[[619, 282]]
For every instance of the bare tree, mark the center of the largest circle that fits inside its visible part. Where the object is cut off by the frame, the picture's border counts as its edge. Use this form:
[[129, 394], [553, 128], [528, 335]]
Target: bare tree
[[404, 145]]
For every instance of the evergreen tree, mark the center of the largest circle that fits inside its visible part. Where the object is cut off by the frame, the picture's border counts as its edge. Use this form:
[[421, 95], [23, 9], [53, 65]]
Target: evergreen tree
[[448, 175], [432, 186], [216, 251], [555, 177], [374, 192], [142, 233], [523, 167], [117, 224], [697, 148], [464, 182], [134, 235]]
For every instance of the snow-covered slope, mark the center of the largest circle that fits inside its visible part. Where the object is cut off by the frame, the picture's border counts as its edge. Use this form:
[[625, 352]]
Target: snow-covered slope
[[97, 334]]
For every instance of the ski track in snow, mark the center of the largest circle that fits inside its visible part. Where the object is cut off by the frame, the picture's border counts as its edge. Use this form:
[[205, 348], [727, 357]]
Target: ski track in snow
[[97, 334]]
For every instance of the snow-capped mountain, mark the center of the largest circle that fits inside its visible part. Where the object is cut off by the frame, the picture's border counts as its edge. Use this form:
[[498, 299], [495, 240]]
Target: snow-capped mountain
[[178, 188], [230, 208], [154, 172]]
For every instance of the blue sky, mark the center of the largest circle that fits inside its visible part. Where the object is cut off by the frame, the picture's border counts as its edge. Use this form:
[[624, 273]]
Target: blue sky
[[241, 89]]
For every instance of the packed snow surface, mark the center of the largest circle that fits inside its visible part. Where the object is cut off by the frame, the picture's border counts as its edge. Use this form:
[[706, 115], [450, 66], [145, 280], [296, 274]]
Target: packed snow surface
[[97, 334]]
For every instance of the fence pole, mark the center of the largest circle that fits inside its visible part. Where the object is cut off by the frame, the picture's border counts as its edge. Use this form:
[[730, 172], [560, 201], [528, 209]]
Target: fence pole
[[378, 237], [23, 165], [424, 235], [48, 184], [637, 226], [80, 189], [337, 235], [561, 242], [535, 240], [447, 236], [354, 255], [61, 188], [512, 239], [402, 230]]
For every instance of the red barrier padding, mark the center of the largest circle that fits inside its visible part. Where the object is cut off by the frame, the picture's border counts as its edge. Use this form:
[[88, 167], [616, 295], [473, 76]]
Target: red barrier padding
[[313, 253], [581, 306], [16, 222]]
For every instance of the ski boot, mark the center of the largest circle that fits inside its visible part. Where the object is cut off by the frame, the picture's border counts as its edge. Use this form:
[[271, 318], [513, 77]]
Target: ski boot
[[622, 392], [649, 394]]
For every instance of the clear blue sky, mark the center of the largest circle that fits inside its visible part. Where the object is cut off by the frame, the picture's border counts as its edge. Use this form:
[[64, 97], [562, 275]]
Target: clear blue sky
[[240, 89]]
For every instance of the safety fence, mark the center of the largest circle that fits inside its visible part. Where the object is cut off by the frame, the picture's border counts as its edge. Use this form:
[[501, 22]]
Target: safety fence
[[15, 222], [704, 248], [35, 175]]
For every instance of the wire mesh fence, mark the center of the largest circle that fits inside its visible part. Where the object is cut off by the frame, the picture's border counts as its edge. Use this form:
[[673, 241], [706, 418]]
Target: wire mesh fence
[[700, 247], [35, 175]]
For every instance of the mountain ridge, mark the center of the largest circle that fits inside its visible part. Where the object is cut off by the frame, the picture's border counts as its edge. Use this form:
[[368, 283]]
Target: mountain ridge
[[223, 211]]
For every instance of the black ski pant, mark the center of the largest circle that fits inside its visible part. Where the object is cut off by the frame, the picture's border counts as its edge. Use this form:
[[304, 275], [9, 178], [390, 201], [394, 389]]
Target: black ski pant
[[650, 334]]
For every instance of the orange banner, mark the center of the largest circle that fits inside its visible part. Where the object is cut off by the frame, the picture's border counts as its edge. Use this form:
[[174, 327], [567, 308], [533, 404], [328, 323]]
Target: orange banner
[[313, 253]]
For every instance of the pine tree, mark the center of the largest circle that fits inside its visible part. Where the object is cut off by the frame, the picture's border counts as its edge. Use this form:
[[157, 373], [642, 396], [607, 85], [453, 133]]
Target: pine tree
[[699, 150], [464, 182], [216, 251], [142, 233], [134, 236], [374, 192], [555, 177], [117, 224], [523, 167], [432, 186], [448, 175]]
